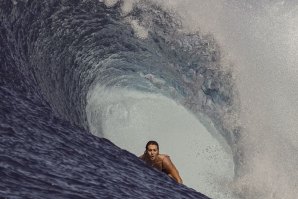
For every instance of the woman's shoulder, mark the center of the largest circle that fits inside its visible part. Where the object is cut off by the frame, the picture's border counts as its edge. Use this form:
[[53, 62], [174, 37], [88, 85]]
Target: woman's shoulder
[[163, 156]]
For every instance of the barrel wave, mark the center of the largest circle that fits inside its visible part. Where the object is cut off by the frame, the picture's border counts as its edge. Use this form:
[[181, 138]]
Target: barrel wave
[[84, 85]]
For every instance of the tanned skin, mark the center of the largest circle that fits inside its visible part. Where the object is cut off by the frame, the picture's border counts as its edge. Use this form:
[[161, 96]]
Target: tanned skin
[[161, 162]]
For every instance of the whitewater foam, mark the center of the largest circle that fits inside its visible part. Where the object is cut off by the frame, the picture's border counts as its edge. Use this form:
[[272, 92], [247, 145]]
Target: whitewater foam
[[260, 38]]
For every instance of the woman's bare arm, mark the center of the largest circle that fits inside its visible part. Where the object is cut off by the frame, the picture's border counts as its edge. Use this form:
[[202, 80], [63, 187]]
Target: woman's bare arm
[[171, 169]]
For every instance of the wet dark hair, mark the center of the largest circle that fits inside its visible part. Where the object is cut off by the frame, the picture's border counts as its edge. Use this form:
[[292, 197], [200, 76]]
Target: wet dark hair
[[151, 142]]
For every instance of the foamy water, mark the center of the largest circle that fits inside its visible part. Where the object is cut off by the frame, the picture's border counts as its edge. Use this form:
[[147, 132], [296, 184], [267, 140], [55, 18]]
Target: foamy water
[[260, 39]]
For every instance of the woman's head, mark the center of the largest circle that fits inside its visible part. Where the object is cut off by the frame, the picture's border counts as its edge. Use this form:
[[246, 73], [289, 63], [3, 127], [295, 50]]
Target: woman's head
[[152, 150]]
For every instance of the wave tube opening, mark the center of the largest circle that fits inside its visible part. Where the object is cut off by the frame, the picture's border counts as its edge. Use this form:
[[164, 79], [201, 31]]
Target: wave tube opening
[[131, 118]]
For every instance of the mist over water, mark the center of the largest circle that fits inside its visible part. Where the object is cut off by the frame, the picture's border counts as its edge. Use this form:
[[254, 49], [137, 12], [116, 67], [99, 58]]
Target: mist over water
[[259, 38]]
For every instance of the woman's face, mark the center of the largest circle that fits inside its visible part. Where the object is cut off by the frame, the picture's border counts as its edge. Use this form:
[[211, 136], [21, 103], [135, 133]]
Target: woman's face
[[152, 151]]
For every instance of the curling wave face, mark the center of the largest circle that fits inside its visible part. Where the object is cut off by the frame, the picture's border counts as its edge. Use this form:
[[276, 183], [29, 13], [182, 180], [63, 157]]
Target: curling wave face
[[64, 53]]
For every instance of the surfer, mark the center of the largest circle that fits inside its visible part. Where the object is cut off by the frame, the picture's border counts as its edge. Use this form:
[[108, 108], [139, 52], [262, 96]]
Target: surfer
[[161, 162]]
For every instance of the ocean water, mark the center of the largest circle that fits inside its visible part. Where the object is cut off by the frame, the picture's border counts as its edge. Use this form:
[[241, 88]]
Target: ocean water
[[86, 83]]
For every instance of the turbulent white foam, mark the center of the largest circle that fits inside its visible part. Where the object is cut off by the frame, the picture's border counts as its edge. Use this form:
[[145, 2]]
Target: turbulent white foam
[[139, 30], [109, 3], [127, 6], [260, 37], [130, 119]]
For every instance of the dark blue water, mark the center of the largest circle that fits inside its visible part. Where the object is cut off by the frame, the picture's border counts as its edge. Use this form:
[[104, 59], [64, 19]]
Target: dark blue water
[[51, 54]]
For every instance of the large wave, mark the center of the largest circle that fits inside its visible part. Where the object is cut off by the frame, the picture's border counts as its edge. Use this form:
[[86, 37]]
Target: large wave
[[131, 71]]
